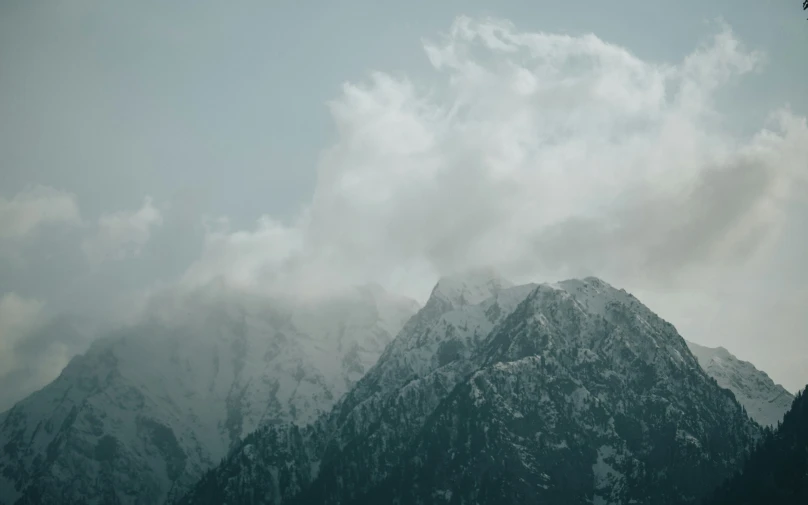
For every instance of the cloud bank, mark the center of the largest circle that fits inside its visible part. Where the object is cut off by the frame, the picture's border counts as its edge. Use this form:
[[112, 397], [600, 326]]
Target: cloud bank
[[545, 155]]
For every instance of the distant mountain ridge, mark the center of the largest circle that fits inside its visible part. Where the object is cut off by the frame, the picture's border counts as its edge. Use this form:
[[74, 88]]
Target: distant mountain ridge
[[561, 393], [764, 401]]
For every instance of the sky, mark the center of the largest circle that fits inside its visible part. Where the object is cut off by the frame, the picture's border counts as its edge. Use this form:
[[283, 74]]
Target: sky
[[146, 146]]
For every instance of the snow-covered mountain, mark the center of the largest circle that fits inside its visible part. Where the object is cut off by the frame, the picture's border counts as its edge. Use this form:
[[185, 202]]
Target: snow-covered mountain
[[764, 401], [141, 415], [554, 393]]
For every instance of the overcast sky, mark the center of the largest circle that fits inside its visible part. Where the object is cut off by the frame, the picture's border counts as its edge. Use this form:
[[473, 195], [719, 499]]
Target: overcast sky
[[661, 146]]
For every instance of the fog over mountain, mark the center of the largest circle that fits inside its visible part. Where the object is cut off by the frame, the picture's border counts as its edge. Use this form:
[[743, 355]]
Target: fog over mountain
[[253, 200], [177, 146]]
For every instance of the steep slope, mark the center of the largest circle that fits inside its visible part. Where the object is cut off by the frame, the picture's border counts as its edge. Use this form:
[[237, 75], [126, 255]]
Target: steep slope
[[145, 412], [584, 396], [764, 401], [777, 471], [566, 393]]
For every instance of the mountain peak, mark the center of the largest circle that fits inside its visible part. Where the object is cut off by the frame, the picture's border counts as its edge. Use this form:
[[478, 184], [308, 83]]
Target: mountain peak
[[595, 294], [470, 287], [595, 281], [589, 282]]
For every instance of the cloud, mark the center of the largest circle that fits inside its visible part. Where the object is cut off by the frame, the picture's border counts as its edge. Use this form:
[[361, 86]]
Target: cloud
[[34, 348], [546, 155], [123, 234], [731, 210], [34, 207], [18, 317]]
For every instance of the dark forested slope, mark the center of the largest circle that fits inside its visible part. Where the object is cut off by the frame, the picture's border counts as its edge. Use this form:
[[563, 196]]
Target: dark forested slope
[[777, 471]]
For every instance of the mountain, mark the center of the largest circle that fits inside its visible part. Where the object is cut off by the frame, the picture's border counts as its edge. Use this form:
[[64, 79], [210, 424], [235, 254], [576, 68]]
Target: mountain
[[764, 401], [141, 415], [777, 471], [554, 393]]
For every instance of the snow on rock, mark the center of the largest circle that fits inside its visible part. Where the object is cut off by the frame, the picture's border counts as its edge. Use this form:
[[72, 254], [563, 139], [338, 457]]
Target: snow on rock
[[764, 401]]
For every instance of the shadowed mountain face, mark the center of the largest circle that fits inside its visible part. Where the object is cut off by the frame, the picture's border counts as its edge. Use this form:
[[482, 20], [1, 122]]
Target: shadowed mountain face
[[566, 393], [777, 471], [145, 412], [764, 401]]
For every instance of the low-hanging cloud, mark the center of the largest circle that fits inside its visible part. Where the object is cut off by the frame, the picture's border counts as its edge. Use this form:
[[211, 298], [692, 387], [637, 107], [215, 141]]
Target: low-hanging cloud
[[34, 348], [543, 154], [34, 207], [18, 315], [18, 318]]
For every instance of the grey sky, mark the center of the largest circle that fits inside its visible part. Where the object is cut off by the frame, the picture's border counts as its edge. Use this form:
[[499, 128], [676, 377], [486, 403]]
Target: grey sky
[[128, 128]]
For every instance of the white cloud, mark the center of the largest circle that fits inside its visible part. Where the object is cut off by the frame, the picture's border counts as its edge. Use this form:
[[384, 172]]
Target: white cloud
[[34, 207], [546, 155], [123, 234], [244, 255]]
